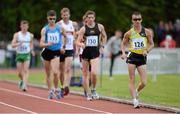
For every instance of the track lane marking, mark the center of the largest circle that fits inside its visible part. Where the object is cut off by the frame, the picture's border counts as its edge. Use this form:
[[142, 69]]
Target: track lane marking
[[59, 102], [22, 109]]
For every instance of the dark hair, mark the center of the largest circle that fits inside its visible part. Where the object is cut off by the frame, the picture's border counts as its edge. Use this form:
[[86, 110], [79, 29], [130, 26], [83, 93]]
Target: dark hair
[[24, 22], [136, 13], [90, 12], [51, 13]]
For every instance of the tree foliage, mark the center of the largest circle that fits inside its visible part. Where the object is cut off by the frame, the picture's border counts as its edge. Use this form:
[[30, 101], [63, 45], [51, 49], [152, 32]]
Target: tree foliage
[[113, 14]]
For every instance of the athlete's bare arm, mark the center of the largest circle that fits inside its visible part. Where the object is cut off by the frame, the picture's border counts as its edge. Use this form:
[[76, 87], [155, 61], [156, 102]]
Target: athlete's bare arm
[[14, 42], [42, 40], [75, 25], [103, 35], [124, 44], [32, 44], [149, 40], [64, 40], [80, 38], [64, 36]]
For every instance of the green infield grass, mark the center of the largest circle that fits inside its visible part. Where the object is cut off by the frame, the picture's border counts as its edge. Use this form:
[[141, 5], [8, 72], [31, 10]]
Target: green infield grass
[[165, 91]]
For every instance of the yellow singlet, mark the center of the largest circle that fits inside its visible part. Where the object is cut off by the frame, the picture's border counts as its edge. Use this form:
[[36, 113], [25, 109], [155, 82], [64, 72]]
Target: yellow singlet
[[138, 41]]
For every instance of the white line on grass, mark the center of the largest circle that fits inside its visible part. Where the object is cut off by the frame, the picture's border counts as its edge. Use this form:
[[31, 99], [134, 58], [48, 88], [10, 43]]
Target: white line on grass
[[12, 106], [59, 102]]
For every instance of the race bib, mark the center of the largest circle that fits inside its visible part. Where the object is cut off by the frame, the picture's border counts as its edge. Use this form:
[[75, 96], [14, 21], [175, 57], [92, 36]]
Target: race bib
[[92, 41], [139, 43], [22, 49], [53, 37], [69, 40]]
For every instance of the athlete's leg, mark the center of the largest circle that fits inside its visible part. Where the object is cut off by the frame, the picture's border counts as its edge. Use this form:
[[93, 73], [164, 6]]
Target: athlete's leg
[[85, 69], [131, 70], [20, 70], [94, 71], [61, 73], [143, 77], [47, 71], [55, 71], [26, 72], [68, 71]]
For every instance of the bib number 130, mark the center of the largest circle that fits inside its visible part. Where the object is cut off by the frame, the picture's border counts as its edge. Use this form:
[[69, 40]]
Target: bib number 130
[[92, 41]]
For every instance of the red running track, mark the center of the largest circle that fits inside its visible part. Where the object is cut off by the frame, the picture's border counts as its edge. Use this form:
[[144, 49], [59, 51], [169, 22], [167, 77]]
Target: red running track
[[13, 100]]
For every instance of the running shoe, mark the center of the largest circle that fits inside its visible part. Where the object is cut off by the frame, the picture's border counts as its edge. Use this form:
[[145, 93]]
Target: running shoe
[[136, 103], [62, 92], [24, 87], [20, 84], [58, 93], [94, 94], [89, 97], [66, 90], [51, 94]]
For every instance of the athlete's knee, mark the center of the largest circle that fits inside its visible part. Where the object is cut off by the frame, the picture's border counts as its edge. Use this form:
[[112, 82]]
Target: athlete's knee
[[68, 69], [55, 71], [93, 73], [48, 77], [85, 71], [26, 71]]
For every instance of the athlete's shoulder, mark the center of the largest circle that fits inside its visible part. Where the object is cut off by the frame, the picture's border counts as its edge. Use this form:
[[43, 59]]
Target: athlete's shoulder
[[148, 31], [31, 34], [43, 30], [100, 26], [16, 33], [59, 22], [127, 34]]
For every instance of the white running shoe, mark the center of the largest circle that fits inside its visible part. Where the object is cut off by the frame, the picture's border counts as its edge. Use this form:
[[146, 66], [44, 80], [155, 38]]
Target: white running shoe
[[89, 97], [24, 87], [94, 94], [136, 103]]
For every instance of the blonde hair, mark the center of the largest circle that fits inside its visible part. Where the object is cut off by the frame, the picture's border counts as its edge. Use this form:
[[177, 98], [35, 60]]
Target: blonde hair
[[65, 10]]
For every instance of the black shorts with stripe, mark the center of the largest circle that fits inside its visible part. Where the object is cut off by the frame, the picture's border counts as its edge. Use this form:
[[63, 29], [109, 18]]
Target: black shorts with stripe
[[49, 54], [136, 59]]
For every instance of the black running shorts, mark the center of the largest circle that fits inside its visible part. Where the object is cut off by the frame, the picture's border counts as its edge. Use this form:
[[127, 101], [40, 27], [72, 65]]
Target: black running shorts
[[90, 53], [136, 59], [49, 54], [68, 53]]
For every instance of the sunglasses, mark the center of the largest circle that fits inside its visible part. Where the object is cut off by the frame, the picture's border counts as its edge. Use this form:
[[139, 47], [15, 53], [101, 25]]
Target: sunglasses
[[52, 19], [137, 19]]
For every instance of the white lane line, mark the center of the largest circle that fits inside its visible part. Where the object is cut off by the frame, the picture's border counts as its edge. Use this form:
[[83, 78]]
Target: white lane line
[[59, 102], [12, 106]]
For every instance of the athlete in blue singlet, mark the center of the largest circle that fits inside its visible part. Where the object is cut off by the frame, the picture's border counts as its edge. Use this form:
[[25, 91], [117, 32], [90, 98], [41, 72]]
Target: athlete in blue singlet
[[52, 42]]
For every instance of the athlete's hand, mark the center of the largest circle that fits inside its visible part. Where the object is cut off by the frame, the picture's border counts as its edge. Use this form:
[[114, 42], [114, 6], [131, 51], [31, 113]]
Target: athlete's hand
[[19, 43], [33, 53], [83, 45], [101, 50], [50, 43], [145, 52], [62, 51], [124, 56]]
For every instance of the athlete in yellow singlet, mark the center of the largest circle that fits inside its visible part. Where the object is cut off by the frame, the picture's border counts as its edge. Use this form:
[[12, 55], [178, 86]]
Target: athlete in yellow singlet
[[140, 42]]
